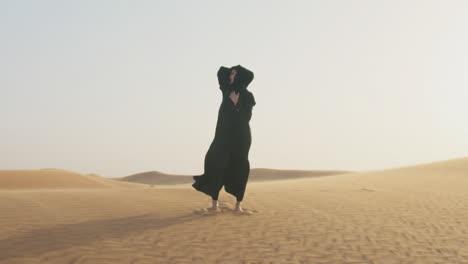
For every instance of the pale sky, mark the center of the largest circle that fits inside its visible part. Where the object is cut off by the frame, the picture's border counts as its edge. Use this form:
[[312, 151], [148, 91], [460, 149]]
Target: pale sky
[[122, 87]]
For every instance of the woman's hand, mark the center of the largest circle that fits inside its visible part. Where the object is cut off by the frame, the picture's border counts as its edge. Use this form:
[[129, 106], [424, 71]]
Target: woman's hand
[[234, 97]]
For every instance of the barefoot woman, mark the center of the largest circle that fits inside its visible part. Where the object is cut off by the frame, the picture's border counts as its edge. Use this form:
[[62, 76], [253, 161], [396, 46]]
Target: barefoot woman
[[226, 162]]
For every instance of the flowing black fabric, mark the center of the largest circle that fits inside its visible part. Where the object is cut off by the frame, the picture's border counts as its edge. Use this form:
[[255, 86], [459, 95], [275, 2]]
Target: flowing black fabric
[[227, 160]]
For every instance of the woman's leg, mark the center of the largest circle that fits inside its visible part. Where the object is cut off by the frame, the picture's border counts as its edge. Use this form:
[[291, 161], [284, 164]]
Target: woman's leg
[[238, 207], [214, 199], [211, 182], [237, 176], [214, 205], [243, 174]]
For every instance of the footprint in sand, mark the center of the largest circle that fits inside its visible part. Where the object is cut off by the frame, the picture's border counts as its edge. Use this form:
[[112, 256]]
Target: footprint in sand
[[367, 190], [245, 211], [223, 210], [206, 211]]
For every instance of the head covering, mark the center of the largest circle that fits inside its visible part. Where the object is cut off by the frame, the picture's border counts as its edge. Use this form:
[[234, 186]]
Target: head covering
[[243, 78]]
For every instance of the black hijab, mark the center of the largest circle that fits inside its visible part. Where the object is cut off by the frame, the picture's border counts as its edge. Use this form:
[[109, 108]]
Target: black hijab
[[243, 78]]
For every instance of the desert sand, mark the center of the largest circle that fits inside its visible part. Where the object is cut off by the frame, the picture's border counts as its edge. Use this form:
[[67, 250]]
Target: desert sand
[[415, 214]]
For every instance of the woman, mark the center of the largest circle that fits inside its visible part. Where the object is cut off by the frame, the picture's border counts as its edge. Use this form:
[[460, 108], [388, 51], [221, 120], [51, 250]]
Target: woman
[[226, 162]]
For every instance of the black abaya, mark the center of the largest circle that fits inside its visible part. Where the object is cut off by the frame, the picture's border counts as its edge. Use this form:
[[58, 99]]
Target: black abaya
[[226, 162]]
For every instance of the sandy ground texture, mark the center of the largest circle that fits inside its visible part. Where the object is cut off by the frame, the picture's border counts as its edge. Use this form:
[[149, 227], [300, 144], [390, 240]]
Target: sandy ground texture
[[408, 215]]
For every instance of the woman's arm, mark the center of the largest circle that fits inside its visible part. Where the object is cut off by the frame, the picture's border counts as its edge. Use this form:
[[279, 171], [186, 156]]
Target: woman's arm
[[241, 112], [223, 78], [245, 109]]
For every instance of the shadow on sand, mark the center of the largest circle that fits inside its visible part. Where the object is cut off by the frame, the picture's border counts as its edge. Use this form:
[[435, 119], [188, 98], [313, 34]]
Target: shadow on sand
[[36, 242]]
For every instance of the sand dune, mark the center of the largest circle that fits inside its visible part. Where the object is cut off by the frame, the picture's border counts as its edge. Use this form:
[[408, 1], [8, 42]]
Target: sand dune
[[53, 179], [260, 174], [157, 178], [415, 214]]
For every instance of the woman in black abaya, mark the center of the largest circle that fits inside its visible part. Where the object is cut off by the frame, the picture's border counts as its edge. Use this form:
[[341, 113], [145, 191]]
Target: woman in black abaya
[[226, 162]]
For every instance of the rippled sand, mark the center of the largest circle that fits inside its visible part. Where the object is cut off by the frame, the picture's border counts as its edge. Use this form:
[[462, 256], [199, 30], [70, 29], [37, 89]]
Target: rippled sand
[[409, 215]]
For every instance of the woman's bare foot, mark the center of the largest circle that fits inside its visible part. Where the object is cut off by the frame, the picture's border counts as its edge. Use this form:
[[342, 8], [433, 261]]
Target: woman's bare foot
[[239, 208], [214, 205]]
